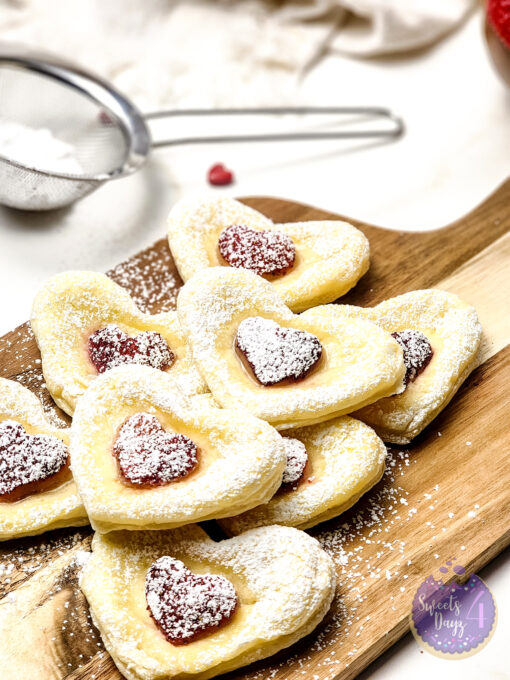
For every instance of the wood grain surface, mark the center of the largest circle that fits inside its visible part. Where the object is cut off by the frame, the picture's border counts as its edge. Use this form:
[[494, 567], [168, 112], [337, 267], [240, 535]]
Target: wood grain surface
[[446, 496]]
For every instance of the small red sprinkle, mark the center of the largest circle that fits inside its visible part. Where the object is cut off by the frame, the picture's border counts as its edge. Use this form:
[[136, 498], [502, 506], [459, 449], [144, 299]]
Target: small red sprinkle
[[219, 176]]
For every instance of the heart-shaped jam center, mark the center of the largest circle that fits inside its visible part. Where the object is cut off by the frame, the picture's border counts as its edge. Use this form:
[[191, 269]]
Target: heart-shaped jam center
[[262, 252], [417, 352], [276, 353], [29, 463], [297, 458], [110, 346], [149, 456], [184, 605]]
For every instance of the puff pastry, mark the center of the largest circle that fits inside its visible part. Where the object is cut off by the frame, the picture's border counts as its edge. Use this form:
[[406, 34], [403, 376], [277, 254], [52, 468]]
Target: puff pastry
[[285, 583], [39, 511], [453, 331], [71, 307], [345, 459], [240, 459], [359, 364], [330, 255]]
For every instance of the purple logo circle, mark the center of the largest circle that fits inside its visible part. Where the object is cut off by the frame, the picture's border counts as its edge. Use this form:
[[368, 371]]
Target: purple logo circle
[[456, 619]]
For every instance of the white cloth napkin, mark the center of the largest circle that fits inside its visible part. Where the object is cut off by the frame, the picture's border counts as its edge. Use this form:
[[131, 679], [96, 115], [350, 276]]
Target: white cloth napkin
[[221, 52], [375, 27]]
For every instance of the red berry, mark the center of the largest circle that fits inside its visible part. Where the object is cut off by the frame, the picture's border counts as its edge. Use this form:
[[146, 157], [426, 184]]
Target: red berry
[[498, 12], [220, 176]]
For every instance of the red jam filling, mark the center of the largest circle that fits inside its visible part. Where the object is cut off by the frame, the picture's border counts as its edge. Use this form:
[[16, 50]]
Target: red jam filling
[[274, 353], [417, 352], [186, 606], [110, 347], [262, 252], [29, 463], [148, 456], [297, 460]]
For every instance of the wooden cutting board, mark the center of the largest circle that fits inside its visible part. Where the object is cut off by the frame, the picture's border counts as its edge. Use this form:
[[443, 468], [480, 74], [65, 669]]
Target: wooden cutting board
[[448, 495]]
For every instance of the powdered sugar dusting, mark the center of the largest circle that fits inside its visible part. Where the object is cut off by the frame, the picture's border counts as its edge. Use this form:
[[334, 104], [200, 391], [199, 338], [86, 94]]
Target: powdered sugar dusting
[[37, 512], [363, 362], [345, 457], [453, 331], [360, 546], [27, 458], [276, 353], [297, 459], [191, 224], [246, 470], [262, 252], [150, 278], [287, 586], [184, 605], [417, 352], [149, 456], [110, 347], [330, 255], [73, 305]]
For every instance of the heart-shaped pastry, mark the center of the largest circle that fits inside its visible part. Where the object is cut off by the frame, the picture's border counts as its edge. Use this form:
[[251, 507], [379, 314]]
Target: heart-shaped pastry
[[344, 458], [86, 324], [359, 361], [440, 335], [224, 459], [261, 252], [110, 347], [281, 578], [276, 353], [34, 469], [186, 606], [308, 263], [149, 456], [29, 462]]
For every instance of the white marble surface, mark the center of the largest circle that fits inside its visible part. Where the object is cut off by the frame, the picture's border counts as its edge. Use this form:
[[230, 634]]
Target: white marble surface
[[454, 153]]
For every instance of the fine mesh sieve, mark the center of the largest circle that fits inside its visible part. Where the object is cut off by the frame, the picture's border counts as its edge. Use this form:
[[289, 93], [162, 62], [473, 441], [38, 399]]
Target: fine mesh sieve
[[109, 135]]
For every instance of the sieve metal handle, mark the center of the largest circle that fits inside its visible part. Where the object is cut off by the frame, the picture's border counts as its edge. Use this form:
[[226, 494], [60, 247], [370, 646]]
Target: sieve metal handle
[[395, 130]]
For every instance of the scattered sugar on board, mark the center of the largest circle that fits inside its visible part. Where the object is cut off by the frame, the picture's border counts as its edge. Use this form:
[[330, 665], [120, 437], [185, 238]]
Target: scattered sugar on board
[[18, 563], [75, 641], [21, 558], [149, 279], [342, 627], [366, 527]]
